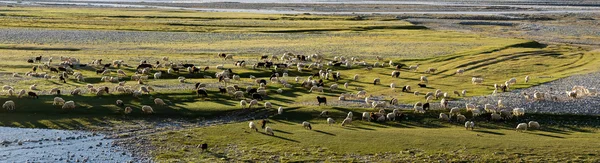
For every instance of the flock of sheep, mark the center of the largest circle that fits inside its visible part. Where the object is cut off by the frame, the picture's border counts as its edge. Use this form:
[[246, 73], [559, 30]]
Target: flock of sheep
[[67, 66]]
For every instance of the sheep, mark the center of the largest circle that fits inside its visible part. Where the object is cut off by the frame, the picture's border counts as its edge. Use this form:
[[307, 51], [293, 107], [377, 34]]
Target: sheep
[[346, 85], [454, 111], [69, 105], [147, 109], [342, 98], [470, 107], [252, 103], [464, 93], [157, 75], [378, 104], [159, 102], [424, 79], [238, 94], [495, 117], [55, 90], [460, 71], [127, 110], [58, 101], [381, 118], [268, 130], [280, 110], [518, 112], [306, 125], [534, 125], [361, 93], [330, 121], [347, 121], [376, 81], [413, 67], [333, 87], [243, 103], [393, 85], [521, 127], [527, 79], [461, 118], [349, 115], [469, 124], [7, 87], [33, 87], [9, 105], [476, 80], [356, 77], [120, 103], [444, 117], [572, 94], [315, 88], [538, 96], [490, 108], [512, 81], [268, 105], [416, 93], [391, 116], [430, 70], [21, 93], [444, 103], [366, 115], [252, 126]]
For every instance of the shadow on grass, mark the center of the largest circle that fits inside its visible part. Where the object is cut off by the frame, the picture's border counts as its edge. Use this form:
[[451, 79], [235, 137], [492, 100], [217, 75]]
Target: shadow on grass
[[546, 135], [323, 132], [283, 138], [489, 132], [285, 132]]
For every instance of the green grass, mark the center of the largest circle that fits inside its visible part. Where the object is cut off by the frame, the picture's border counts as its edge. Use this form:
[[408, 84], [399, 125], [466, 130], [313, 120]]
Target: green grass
[[420, 138]]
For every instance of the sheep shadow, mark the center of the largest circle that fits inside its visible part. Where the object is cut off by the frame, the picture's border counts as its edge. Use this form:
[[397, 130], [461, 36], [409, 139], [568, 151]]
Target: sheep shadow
[[285, 132], [489, 132], [323, 132], [283, 138], [546, 135]]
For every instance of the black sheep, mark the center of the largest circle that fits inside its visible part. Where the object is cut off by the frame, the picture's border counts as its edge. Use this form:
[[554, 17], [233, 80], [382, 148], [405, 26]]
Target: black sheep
[[32, 94], [62, 79], [422, 85], [57, 92], [257, 96], [204, 146], [34, 68], [398, 67], [426, 106], [263, 81], [201, 92], [396, 74], [53, 70], [144, 65], [222, 90], [197, 85], [251, 91], [106, 89], [264, 57], [62, 69], [321, 100], [205, 68], [30, 61], [405, 89], [263, 123], [188, 65], [38, 59]]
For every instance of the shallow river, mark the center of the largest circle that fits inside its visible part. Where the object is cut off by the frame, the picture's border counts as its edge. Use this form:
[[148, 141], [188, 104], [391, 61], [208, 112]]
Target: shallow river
[[46, 145]]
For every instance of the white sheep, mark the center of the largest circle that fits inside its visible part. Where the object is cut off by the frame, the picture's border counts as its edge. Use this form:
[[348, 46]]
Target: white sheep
[[157, 75], [33, 87], [252, 126], [460, 71], [333, 87], [527, 79], [147, 109], [330, 121], [376, 81], [280, 110], [391, 116], [495, 116], [159, 102], [518, 112], [306, 125], [9, 105], [461, 118], [350, 115], [366, 115], [21, 93], [11, 92], [127, 110], [444, 117], [243, 103], [476, 112], [268, 105], [534, 125], [424, 79], [469, 124], [69, 105], [393, 85], [7, 87], [476, 80], [454, 111], [58, 101], [521, 127], [356, 77], [347, 121], [268, 130], [464, 93], [252, 103]]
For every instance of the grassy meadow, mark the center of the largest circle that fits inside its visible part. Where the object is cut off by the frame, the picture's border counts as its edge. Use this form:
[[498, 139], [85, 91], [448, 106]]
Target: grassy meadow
[[196, 37]]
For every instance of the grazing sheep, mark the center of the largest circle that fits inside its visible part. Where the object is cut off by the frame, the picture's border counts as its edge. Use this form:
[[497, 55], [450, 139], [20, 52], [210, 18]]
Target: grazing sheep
[[347, 121], [11, 92], [538, 96], [268, 130], [460, 71], [406, 88], [366, 115], [518, 112], [330, 121], [444, 103], [391, 116], [342, 98], [349, 115], [521, 127], [159, 102], [469, 124], [306, 125], [416, 93], [7, 87], [268, 105], [464, 93], [376, 81], [157, 75], [252, 126], [572, 94], [324, 113], [495, 117], [333, 87], [9, 105], [424, 79], [147, 109], [534, 125], [33, 87], [461, 118], [127, 110], [378, 104], [454, 111], [470, 107], [69, 105], [21, 93], [58, 101], [393, 85], [430, 70], [120, 103], [280, 110], [457, 93], [252, 103], [413, 67], [444, 117], [475, 112], [381, 118], [527, 79], [476, 80], [243, 103], [356, 77]]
